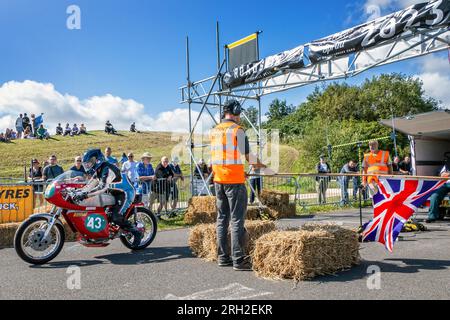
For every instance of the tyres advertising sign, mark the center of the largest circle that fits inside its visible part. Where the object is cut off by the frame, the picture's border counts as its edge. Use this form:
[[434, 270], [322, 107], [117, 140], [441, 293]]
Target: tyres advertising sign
[[16, 203]]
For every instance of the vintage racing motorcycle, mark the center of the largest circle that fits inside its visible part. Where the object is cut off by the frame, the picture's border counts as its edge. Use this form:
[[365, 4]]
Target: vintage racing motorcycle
[[41, 237]]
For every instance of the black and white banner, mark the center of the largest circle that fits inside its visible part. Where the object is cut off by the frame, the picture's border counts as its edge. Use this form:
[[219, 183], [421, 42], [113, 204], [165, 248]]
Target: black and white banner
[[248, 73], [426, 15]]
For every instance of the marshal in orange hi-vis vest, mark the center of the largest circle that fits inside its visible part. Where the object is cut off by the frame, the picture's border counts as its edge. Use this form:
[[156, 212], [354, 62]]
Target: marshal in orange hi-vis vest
[[225, 156], [377, 164]]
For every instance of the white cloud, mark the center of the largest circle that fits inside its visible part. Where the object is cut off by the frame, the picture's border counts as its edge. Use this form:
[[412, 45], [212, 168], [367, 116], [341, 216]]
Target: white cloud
[[35, 97], [436, 78]]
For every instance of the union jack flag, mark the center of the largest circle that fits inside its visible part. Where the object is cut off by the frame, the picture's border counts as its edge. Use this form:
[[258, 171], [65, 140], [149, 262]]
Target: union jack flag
[[394, 203]]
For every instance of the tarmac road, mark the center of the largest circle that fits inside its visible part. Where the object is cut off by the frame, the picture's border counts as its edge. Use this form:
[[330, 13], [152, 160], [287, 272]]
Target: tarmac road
[[418, 269]]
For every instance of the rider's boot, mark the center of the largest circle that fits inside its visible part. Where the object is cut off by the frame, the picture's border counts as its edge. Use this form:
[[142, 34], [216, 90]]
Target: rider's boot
[[118, 219]]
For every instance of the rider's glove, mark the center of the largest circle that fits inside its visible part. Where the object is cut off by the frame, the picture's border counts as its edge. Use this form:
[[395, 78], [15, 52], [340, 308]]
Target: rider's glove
[[80, 196]]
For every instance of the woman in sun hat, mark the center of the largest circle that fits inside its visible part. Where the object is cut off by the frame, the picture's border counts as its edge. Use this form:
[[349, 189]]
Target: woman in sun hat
[[146, 174]]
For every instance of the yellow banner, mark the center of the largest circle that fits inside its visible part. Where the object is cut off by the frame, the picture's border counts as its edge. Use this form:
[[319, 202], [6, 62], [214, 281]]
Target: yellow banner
[[16, 203]]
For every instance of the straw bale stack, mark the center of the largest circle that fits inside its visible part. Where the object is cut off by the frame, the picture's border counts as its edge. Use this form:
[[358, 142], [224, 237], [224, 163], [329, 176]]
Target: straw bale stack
[[203, 239], [306, 253]]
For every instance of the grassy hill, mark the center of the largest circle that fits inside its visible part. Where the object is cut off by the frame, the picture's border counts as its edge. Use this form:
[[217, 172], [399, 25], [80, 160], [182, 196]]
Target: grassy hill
[[16, 155], [19, 153]]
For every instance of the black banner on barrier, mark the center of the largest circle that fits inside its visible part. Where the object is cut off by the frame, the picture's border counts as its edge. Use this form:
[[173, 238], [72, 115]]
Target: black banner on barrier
[[248, 73], [426, 15]]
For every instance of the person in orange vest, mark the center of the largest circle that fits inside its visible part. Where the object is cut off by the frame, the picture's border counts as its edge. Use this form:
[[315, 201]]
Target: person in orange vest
[[229, 144], [375, 162]]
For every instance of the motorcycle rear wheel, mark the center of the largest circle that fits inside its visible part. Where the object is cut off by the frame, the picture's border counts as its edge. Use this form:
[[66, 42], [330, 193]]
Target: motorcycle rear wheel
[[27, 241], [149, 220]]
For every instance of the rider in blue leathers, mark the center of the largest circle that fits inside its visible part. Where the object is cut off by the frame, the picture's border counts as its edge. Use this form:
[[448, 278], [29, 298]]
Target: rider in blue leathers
[[108, 178]]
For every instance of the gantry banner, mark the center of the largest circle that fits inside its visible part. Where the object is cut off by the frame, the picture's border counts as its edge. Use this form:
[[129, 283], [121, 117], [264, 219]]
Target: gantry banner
[[426, 15], [418, 17]]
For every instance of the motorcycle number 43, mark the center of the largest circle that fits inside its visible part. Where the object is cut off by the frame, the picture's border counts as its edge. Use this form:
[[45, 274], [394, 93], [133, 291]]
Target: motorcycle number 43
[[95, 223]]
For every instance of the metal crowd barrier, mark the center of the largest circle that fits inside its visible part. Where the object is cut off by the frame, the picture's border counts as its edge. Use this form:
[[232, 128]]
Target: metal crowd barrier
[[168, 197], [165, 196], [311, 189]]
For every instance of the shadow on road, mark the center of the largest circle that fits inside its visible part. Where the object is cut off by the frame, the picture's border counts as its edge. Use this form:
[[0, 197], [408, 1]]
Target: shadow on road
[[410, 266], [66, 264], [150, 255]]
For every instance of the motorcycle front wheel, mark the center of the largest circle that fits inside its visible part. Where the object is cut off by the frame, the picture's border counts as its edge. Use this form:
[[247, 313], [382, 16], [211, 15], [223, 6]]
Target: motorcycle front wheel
[[30, 245], [149, 222]]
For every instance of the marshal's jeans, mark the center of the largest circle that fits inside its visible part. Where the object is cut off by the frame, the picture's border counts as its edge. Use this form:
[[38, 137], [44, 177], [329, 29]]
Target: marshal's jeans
[[231, 206]]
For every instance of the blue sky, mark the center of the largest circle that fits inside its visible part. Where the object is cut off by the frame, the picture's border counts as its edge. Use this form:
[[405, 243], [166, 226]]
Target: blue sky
[[135, 50]]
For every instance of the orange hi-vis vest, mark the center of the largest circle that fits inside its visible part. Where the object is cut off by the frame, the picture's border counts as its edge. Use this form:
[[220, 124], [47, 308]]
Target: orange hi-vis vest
[[226, 160], [377, 163]]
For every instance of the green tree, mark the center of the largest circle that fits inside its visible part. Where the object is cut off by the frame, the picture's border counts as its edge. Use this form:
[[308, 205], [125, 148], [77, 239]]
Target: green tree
[[252, 114], [340, 113], [278, 110]]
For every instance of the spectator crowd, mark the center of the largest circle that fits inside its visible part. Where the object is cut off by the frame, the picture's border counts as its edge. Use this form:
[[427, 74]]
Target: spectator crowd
[[33, 128]]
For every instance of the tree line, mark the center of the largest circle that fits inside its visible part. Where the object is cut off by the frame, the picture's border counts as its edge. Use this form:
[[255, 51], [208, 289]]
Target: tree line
[[340, 113]]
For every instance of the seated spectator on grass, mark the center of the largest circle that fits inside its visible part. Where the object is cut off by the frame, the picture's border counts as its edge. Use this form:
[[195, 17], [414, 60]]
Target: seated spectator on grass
[[75, 130], [2, 137], [67, 130], [83, 129], [8, 134], [42, 133], [13, 134], [59, 130], [133, 127], [27, 133], [109, 129]]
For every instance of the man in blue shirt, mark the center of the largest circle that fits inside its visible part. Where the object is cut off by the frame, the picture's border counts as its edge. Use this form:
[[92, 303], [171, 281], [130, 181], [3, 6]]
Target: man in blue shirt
[[146, 175], [110, 158]]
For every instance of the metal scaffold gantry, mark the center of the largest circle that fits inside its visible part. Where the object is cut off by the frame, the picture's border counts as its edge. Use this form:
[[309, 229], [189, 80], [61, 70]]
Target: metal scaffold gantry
[[418, 30]]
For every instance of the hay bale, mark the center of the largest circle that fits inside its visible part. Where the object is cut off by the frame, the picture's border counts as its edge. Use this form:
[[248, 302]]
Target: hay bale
[[278, 204], [192, 217], [8, 231], [201, 210], [203, 238], [306, 253], [283, 211], [203, 204], [255, 212], [273, 199]]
